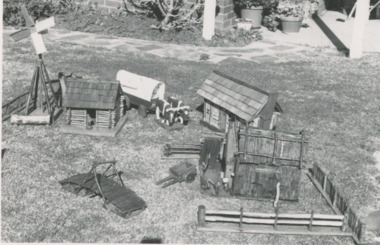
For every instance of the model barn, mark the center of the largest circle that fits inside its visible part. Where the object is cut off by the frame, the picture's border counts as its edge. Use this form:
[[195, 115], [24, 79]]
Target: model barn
[[93, 105], [242, 155], [228, 99]]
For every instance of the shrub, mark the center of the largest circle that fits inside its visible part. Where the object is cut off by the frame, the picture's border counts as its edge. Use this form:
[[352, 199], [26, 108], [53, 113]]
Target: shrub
[[37, 9]]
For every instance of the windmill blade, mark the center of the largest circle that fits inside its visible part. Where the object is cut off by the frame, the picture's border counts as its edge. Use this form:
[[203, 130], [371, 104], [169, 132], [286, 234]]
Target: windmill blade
[[19, 35], [45, 24], [38, 43], [28, 19]]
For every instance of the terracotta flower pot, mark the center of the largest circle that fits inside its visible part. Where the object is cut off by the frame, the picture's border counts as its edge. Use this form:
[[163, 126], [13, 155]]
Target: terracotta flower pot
[[253, 14], [291, 24]]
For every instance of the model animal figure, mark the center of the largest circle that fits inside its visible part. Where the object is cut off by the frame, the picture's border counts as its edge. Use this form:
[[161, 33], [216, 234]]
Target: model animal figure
[[181, 112], [165, 110]]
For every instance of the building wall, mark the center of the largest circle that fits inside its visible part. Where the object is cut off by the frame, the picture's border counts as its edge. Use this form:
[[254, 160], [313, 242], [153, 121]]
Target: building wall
[[226, 17]]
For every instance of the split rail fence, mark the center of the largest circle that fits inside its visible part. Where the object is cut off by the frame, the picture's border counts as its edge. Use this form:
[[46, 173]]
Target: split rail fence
[[18, 104], [337, 202], [15, 105], [274, 223]]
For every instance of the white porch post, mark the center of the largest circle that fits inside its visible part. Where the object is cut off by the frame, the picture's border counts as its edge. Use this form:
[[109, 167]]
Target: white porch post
[[209, 19], [361, 19]]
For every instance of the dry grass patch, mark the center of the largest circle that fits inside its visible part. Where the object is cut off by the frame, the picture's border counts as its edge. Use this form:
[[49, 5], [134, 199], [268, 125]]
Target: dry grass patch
[[336, 100]]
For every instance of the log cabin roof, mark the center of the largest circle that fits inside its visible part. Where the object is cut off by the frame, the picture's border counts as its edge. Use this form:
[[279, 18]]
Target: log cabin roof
[[91, 94], [243, 100]]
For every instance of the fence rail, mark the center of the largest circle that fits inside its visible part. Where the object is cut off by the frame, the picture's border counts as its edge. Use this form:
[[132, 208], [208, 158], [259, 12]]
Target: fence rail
[[340, 206], [15, 105], [301, 224]]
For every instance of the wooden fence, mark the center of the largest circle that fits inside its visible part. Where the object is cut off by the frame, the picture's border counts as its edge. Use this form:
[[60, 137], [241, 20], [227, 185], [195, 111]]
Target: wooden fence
[[15, 106], [18, 104], [274, 223], [337, 202], [272, 147]]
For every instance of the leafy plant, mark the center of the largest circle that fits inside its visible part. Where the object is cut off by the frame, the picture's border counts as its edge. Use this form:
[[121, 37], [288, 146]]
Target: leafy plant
[[247, 4], [235, 36], [296, 8], [37, 9]]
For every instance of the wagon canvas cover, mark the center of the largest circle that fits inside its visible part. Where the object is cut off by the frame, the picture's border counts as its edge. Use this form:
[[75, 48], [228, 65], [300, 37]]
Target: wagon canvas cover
[[142, 87]]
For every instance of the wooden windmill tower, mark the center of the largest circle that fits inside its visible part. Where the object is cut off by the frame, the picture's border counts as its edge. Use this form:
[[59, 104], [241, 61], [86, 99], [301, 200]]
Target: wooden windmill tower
[[43, 103]]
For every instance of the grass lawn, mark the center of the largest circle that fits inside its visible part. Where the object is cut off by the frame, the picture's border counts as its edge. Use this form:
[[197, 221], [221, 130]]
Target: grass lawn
[[336, 100]]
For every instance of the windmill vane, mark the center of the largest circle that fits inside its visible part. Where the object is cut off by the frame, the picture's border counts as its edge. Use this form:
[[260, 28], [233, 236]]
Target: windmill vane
[[34, 31]]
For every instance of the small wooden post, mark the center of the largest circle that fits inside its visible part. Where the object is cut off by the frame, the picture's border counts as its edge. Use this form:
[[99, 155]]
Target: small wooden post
[[363, 228], [302, 148], [275, 148], [335, 197], [6, 109], [345, 221], [69, 119], [18, 102], [275, 219], [241, 217], [324, 183], [311, 220], [201, 215]]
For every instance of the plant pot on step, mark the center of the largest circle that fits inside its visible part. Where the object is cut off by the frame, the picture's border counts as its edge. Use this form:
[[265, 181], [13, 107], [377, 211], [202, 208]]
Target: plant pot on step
[[254, 14], [291, 24]]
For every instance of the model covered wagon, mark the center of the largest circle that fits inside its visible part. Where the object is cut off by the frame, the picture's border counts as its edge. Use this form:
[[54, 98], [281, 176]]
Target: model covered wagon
[[139, 91], [148, 95]]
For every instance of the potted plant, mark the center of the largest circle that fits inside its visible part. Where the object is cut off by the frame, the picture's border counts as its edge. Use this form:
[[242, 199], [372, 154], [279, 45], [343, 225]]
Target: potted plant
[[251, 10], [292, 12]]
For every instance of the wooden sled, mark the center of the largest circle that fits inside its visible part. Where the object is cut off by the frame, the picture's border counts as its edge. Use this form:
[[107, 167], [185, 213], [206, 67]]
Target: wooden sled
[[117, 198]]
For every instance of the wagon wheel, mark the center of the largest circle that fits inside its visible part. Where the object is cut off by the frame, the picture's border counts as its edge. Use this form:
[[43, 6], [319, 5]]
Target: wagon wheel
[[142, 111], [127, 102], [190, 177]]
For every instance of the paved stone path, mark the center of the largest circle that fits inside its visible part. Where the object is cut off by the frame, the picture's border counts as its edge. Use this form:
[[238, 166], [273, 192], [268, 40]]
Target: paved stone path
[[263, 51]]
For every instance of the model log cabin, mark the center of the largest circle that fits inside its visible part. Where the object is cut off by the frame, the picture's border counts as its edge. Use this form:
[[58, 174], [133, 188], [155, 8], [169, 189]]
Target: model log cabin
[[93, 107]]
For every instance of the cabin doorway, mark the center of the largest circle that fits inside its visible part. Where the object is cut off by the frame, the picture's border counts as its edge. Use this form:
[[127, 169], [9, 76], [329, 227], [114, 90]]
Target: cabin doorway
[[90, 118]]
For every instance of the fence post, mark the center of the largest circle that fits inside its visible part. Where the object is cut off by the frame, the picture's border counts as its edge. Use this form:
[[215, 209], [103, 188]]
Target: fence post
[[201, 216], [335, 197], [18, 102], [362, 231], [7, 108], [311, 220], [276, 219], [241, 217], [345, 221], [324, 183]]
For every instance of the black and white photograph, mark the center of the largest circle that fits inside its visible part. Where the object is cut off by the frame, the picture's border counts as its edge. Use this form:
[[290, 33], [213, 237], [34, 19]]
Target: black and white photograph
[[191, 122]]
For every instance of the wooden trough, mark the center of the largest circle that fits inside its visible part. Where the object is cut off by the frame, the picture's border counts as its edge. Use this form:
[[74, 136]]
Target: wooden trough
[[272, 223]]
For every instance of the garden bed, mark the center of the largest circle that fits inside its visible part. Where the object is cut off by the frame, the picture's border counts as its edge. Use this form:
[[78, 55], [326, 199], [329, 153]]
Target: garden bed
[[139, 26]]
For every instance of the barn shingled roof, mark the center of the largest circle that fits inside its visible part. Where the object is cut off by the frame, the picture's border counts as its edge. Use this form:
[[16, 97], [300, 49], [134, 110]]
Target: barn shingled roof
[[91, 94], [240, 98]]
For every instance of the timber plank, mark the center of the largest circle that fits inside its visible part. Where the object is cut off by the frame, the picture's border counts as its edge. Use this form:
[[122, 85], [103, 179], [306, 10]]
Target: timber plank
[[268, 229]]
